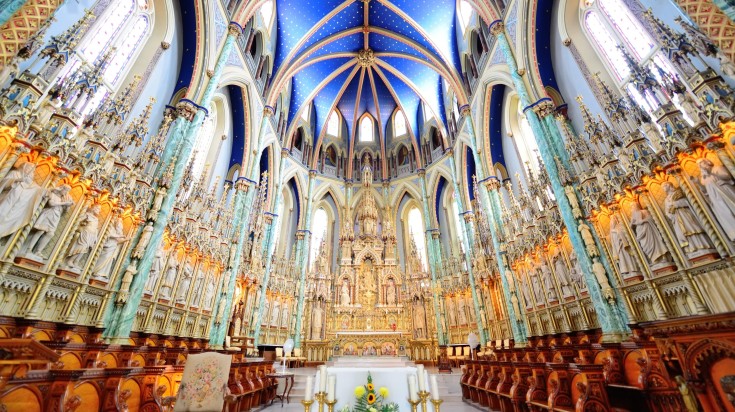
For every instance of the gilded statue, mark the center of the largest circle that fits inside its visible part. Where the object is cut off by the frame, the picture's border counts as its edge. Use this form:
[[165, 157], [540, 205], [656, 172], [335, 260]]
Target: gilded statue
[[622, 250], [720, 190], [87, 237]]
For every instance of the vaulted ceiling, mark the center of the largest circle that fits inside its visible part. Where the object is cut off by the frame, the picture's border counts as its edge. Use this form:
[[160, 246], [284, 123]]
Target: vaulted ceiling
[[366, 56]]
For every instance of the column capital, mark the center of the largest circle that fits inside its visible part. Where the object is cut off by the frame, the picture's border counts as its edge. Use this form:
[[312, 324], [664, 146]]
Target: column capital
[[268, 111], [465, 110], [449, 151], [187, 109], [469, 216], [491, 183], [421, 172], [544, 107], [234, 29], [243, 184], [312, 173], [285, 152], [497, 27]]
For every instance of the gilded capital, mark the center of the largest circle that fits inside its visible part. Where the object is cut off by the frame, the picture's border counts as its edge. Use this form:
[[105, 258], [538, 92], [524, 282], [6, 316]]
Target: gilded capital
[[544, 109], [492, 184], [497, 28], [268, 111], [365, 58], [285, 152], [234, 29]]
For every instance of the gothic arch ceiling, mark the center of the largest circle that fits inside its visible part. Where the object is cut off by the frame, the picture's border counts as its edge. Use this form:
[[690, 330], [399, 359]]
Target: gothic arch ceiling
[[320, 54]]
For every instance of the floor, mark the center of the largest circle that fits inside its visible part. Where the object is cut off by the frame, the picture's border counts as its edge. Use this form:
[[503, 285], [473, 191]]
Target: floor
[[448, 388]]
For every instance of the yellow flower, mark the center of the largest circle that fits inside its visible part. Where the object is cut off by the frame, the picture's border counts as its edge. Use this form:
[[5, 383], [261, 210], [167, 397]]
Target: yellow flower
[[371, 398], [359, 391], [370, 386], [383, 391]]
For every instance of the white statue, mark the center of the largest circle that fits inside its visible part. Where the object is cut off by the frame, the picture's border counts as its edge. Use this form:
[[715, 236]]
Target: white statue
[[562, 273], [155, 271], [587, 238], [516, 305], [391, 294], [122, 295], [726, 65], [21, 199], [145, 237], [575, 272], [284, 316], [462, 310], [418, 319], [157, 202], [689, 233], [622, 250], [196, 293], [537, 291], [344, 299], [87, 238], [209, 295], [316, 326], [184, 282], [276, 312], [721, 192], [103, 267], [170, 278], [48, 221], [647, 235], [601, 275], [452, 315]]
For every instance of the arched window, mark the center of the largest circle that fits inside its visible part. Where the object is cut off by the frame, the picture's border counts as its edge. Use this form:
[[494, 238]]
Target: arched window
[[106, 28], [399, 124], [366, 129], [130, 43], [526, 143], [465, 14], [416, 231], [266, 11], [305, 113], [333, 124], [202, 145], [277, 228], [318, 233], [458, 224]]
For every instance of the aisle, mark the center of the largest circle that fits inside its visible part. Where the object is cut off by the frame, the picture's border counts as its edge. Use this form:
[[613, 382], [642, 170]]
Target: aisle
[[448, 388]]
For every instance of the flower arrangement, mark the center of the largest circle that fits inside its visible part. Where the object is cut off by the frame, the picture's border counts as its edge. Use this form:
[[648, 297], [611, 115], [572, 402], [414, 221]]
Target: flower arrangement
[[370, 400]]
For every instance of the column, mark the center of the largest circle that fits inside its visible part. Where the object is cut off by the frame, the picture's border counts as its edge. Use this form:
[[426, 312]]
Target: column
[[304, 258], [609, 314], [467, 233], [434, 261], [30, 16], [123, 316], [270, 246], [493, 210]]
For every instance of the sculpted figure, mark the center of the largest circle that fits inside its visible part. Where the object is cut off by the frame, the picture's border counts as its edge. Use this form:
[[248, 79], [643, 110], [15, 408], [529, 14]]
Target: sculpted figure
[[462, 309], [527, 295], [562, 273], [157, 202], [184, 282], [548, 281], [22, 197], [155, 271], [622, 250], [127, 280], [576, 272], [145, 237], [345, 294], [209, 295], [418, 319], [391, 294], [103, 267], [88, 233], [689, 233], [48, 221], [721, 192], [647, 235], [170, 278], [537, 291], [587, 238], [316, 326]]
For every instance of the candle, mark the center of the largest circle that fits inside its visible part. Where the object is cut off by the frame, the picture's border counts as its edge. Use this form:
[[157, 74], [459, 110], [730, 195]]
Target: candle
[[308, 395], [434, 388], [412, 394], [331, 387], [323, 378], [420, 376]]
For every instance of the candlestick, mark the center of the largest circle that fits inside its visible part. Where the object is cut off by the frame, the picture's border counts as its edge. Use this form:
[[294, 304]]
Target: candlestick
[[320, 398], [308, 395], [436, 403], [330, 405], [414, 404], [307, 405], [424, 396], [434, 387], [331, 386]]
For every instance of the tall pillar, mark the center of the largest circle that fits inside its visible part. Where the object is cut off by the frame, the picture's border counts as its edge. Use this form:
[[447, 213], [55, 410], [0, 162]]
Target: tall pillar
[[467, 233], [19, 20], [124, 315], [304, 258], [517, 326], [434, 261], [598, 279], [270, 246]]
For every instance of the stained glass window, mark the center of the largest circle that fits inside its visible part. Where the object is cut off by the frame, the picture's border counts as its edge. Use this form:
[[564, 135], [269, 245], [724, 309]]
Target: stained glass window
[[526, 143], [333, 124], [458, 223], [202, 145], [606, 44], [106, 28], [318, 233], [465, 14], [399, 124], [416, 231], [366, 129], [126, 48], [266, 10]]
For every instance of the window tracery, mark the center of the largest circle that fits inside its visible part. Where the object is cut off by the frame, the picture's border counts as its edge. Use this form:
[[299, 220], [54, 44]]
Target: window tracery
[[417, 235]]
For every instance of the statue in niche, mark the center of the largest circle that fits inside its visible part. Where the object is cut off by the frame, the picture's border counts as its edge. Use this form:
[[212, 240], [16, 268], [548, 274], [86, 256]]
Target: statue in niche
[[367, 169], [344, 293], [284, 316], [391, 293], [368, 283], [184, 282], [537, 291], [170, 277], [526, 289], [196, 293], [316, 325], [145, 237], [689, 398], [548, 281], [345, 322], [648, 236], [575, 272], [689, 233], [587, 238], [21, 199], [462, 310], [419, 315], [157, 202], [720, 190], [48, 221], [103, 267], [562, 272], [87, 238], [209, 295], [622, 250], [155, 271], [276, 313], [127, 280]]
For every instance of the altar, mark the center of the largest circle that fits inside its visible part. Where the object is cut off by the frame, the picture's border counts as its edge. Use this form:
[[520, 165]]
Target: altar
[[351, 372]]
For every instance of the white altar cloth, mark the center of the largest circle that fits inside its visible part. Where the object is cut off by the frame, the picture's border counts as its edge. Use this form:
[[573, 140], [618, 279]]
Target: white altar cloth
[[393, 378]]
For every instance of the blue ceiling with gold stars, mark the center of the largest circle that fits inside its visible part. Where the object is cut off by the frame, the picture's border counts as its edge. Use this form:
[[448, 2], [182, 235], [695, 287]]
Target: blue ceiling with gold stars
[[410, 39]]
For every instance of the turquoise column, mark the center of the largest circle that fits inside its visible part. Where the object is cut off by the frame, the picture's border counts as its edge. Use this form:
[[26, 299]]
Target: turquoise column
[[125, 315], [608, 313], [270, 246], [517, 326], [727, 7], [218, 330], [434, 261], [303, 259], [8, 8], [468, 244]]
